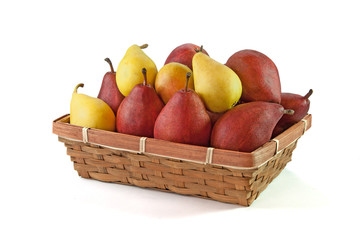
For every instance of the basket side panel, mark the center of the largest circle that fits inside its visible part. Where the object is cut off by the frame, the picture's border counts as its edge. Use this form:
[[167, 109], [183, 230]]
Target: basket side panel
[[268, 172], [187, 178], [237, 186]]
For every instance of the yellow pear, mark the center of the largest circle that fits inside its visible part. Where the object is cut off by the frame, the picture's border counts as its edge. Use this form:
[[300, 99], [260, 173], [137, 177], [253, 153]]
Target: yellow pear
[[90, 112], [217, 85], [129, 72]]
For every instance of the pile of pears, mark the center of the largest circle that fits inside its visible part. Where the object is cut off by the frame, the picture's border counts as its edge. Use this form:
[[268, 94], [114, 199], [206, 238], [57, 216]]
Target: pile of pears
[[192, 99]]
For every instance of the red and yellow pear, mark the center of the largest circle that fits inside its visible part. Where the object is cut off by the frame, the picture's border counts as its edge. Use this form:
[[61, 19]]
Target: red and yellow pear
[[170, 79]]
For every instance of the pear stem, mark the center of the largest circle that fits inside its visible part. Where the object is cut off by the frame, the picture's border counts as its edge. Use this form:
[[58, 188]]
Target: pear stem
[[77, 86], [145, 78], [289, 111], [144, 46], [309, 94], [187, 81], [199, 50], [110, 63]]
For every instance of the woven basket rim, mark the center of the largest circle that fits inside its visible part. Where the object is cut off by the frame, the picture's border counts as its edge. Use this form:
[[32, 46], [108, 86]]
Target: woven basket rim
[[183, 152]]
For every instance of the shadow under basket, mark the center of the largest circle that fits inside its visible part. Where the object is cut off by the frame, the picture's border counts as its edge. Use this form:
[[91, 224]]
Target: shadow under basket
[[222, 175]]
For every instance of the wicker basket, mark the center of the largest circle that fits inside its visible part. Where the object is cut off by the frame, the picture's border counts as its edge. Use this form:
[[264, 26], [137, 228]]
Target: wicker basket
[[222, 175]]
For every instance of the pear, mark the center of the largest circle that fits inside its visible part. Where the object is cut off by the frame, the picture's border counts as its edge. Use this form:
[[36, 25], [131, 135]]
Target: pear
[[90, 112], [170, 79], [247, 126], [259, 76], [184, 119], [138, 111], [128, 73], [109, 91], [217, 85], [300, 104]]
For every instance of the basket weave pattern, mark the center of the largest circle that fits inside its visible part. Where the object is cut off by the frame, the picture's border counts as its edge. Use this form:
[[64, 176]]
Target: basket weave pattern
[[226, 184]]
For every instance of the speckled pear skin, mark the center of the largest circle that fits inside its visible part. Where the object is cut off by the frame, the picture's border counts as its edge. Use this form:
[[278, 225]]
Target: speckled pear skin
[[247, 126], [300, 105], [139, 110], [259, 76], [184, 120], [109, 91]]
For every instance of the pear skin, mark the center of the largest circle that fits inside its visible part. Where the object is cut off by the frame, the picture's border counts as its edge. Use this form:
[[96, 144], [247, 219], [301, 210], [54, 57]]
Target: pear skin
[[300, 105], [129, 74], [259, 76], [217, 85], [138, 111], [109, 91], [90, 112], [184, 119], [247, 126], [170, 79], [184, 54]]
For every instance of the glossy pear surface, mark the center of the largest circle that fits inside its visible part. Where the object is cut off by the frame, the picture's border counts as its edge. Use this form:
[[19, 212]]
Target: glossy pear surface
[[129, 74], [300, 105], [247, 126], [138, 111], [90, 112], [184, 120], [170, 79], [259, 76], [109, 91], [217, 85]]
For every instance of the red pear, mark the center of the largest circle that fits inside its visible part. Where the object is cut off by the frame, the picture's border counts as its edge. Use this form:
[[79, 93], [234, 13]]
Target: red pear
[[258, 74], [138, 111], [247, 126], [109, 91], [300, 104], [184, 119], [184, 54]]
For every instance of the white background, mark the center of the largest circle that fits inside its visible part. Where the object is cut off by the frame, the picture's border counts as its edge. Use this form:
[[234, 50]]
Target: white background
[[46, 48]]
